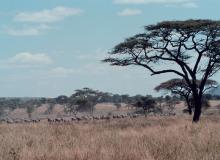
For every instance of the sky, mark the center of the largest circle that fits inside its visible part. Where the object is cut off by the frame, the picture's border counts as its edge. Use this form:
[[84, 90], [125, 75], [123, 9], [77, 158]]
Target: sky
[[53, 47]]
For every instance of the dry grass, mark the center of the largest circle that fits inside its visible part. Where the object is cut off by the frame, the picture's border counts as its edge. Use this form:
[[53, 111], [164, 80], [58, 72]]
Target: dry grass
[[141, 139]]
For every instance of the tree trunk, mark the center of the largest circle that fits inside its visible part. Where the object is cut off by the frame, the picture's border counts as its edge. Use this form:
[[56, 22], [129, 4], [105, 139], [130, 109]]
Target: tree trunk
[[189, 105], [198, 109]]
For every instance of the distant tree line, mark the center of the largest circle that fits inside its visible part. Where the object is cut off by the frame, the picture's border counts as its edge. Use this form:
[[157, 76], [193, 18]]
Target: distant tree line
[[84, 100]]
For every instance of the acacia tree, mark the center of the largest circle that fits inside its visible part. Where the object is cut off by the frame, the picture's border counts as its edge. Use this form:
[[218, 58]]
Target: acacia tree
[[179, 87], [147, 103], [61, 99], [1, 111], [83, 100], [30, 110], [189, 49]]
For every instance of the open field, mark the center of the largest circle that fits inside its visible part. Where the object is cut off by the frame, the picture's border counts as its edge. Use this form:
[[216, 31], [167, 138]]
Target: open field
[[152, 138]]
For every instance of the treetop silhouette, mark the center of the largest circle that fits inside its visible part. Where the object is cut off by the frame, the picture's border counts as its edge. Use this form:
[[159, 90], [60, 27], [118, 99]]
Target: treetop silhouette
[[189, 49]]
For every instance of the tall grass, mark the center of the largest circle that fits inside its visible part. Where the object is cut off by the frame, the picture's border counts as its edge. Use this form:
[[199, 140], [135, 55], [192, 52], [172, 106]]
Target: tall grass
[[139, 139]]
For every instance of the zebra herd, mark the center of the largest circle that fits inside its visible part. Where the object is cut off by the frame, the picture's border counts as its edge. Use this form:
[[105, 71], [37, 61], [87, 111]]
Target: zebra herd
[[91, 118], [14, 121], [80, 118], [70, 119]]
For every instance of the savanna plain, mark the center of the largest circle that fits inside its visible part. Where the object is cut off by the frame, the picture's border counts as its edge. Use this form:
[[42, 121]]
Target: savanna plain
[[143, 138]]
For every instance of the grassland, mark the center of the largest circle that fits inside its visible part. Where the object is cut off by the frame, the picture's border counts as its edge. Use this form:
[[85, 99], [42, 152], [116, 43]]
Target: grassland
[[138, 139]]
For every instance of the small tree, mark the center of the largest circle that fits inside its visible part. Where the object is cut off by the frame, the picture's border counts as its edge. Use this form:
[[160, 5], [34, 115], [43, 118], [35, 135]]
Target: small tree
[[191, 46], [61, 99], [50, 108], [170, 102], [126, 98], [180, 87], [147, 104], [105, 97], [1, 111], [30, 110], [51, 103], [83, 100], [117, 98], [118, 105]]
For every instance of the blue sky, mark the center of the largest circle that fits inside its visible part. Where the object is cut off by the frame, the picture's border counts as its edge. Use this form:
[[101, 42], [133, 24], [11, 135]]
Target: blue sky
[[52, 47]]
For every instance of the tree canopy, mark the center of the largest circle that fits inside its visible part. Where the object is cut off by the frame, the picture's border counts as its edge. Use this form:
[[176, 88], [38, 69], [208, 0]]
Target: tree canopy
[[83, 100], [189, 49], [147, 103], [179, 87]]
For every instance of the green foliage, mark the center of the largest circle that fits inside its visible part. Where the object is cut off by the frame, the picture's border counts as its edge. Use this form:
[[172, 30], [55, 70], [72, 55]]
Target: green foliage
[[191, 46], [83, 100], [147, 103], [118, 105], [30, 110], [1, 111], [50, 108], [61, 99]]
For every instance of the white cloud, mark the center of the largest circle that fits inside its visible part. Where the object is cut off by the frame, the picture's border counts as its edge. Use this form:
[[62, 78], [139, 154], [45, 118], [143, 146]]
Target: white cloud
[[150, 1], [184, 5], [23, 32], [61, 72], [28, 31], [181, 3], [190, 5], [47, 15], [42, 18], [129, 1], [96, 55], [130, 12], [30, 59]]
